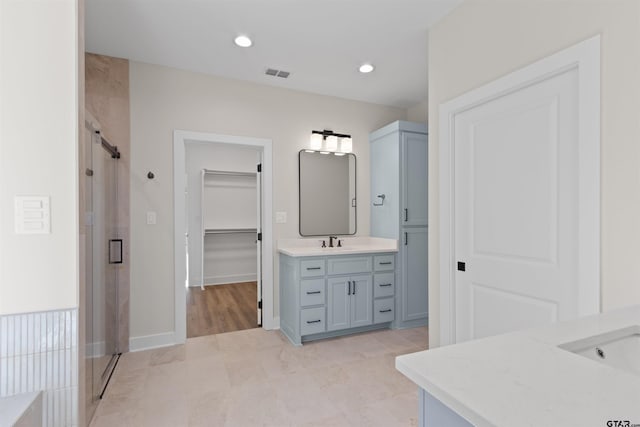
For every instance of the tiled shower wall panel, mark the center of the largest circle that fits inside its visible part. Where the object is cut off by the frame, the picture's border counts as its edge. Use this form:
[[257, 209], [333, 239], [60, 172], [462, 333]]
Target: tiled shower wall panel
[[39, 351]]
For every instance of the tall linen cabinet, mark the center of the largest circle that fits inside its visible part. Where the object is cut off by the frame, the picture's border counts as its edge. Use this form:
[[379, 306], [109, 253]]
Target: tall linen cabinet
[[399, 191]]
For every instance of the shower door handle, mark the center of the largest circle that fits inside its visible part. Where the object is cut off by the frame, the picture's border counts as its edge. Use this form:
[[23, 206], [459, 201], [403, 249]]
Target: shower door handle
[[115, 243]]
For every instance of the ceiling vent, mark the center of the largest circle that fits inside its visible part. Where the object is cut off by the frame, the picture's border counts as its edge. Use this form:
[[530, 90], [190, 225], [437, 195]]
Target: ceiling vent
[[277, 73]]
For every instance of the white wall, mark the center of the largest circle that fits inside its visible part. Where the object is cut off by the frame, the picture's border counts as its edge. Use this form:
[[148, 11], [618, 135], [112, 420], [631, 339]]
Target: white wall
[[38, 143], [164, 99], [483, 40], [230, 258], [418, 113]]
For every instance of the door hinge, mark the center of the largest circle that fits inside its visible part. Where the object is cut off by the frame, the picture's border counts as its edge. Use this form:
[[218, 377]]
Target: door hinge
[[259, 167], [260, 304], [259, 237]]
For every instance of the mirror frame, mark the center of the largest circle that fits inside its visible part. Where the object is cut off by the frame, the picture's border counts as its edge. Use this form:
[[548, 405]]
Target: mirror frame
[[355, 187]]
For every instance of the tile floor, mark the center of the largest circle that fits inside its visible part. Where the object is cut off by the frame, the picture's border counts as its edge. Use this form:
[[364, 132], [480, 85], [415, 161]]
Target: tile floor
[[257, 378]]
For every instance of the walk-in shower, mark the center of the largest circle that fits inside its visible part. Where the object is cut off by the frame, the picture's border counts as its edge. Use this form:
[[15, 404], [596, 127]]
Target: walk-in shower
[[103, 255]]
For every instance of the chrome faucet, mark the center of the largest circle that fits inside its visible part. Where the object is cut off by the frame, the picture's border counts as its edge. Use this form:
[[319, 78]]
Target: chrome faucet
[[331, 239]]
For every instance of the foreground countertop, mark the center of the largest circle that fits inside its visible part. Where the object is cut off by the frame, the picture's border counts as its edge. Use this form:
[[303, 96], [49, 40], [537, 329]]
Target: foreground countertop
[[525, 379], [12, 408], [350, 245]]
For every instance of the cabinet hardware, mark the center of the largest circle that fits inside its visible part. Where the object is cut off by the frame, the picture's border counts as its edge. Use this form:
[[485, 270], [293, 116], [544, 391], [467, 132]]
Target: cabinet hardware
[[462, 266], [406, 238], [314, 321], [314, 292], [354, 288], [406, 214], [313, 268], [385, 263], [385, 311], [384, 284], [349, 287]]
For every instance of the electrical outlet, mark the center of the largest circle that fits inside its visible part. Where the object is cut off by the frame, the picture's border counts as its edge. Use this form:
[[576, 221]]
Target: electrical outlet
[[281, 217]]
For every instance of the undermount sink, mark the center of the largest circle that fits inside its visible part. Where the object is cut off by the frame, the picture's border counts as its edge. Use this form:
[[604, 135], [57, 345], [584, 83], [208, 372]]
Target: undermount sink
[[619, 349], [350, 245]]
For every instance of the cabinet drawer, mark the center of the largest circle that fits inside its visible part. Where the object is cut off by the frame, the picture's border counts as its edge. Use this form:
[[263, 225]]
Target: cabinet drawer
[[350, 265], [383, 310], [312, 292], [384, 262], [312, 267], [312, 321], [383, 285]]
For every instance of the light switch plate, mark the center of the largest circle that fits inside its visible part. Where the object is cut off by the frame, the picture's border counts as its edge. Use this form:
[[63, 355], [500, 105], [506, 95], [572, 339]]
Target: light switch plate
[[32, 215], [281, 217], [152, 218]]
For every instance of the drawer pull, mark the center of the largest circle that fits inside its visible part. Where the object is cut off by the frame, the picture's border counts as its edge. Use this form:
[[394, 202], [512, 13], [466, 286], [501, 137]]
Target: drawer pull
[[314, 321], [385, 311], [385, 284], [313, 268], [313, 292], [385, 263]]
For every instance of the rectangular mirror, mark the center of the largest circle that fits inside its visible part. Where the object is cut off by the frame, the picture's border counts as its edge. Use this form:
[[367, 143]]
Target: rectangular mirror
[[327, 185]]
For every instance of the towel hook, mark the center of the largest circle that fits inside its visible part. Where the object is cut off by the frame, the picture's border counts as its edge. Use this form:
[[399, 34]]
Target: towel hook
[[380, 196]]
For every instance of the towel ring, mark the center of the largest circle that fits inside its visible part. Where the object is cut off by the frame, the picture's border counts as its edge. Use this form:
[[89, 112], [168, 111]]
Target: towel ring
[[381, 197]]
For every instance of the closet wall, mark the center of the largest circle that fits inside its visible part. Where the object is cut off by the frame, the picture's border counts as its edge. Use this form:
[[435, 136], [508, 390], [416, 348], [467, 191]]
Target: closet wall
[[231, 257]]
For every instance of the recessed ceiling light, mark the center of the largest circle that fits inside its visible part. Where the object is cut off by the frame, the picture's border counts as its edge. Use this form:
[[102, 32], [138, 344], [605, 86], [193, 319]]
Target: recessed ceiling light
[[366, 68], [243, 41]]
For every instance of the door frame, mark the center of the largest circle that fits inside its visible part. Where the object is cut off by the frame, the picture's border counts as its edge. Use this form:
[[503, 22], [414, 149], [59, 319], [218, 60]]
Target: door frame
[[180, 139], [585, 58]]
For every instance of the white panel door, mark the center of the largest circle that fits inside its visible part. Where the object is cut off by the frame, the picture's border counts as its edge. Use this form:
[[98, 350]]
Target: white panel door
[[516, 209]]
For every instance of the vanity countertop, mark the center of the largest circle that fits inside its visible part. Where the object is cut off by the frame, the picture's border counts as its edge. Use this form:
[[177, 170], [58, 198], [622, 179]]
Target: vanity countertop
[[524, 378], [350, 245]]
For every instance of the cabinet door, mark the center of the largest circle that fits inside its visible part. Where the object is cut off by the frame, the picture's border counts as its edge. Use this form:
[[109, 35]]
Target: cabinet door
[[414, 294], [361, 301], [414, 179], [338, 300]]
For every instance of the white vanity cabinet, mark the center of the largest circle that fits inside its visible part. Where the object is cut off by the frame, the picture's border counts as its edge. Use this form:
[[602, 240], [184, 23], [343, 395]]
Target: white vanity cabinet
[[399, 155], [327, 296]]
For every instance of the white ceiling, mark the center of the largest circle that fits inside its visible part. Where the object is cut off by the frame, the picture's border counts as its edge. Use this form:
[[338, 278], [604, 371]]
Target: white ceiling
[[321, 42]]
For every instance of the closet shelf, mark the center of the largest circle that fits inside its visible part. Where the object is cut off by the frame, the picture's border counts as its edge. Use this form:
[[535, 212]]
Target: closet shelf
[[229, 230], [228, 173]]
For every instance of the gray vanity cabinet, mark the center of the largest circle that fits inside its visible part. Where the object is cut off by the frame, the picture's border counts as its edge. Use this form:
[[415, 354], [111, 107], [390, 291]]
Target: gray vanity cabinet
[[399, 160], [322, 297], [349, 302]]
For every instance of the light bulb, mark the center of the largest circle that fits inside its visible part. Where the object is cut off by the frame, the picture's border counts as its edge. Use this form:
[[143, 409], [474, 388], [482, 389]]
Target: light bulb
[[331, 143], [346, 145], [315, 141]]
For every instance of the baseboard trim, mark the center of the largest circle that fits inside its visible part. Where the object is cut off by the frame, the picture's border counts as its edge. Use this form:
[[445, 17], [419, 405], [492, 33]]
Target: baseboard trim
[[224, 280], [149, 342]]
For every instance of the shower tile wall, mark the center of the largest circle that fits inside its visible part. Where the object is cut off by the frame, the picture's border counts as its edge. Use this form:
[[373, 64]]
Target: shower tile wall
[[39, 351]]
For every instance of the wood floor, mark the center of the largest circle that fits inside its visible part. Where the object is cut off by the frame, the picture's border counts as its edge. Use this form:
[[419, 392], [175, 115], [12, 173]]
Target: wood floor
[[221, 308]]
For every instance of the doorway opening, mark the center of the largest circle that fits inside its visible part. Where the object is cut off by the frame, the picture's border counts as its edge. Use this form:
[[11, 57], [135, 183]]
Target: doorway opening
[[223, 239], [223, 246]]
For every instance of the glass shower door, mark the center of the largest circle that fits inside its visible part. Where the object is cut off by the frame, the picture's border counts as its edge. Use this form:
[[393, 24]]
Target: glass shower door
[[103, 253]]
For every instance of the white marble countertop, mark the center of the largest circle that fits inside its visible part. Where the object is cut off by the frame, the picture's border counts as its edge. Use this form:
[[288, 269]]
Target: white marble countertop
[[13, 407], [350, 245], [525, 379]]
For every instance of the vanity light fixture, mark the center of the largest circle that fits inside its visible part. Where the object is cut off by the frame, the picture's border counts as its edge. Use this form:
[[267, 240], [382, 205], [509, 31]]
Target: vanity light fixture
[[331, 143], [243, 41], [346, 145], [326, 141], [366, 68], [315, 142]]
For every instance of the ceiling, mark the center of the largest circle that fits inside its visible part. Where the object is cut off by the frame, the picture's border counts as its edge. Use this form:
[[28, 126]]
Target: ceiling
[[320, 42]]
